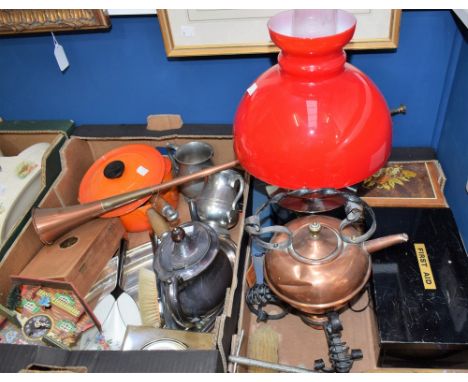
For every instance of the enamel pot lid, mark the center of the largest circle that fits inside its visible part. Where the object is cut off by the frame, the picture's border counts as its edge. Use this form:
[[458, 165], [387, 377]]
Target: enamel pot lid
[[121, 170], [186, 251]]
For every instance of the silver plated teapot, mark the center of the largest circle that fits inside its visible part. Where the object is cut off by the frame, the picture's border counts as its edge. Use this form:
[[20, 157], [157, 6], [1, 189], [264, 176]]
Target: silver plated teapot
[[193, 275]]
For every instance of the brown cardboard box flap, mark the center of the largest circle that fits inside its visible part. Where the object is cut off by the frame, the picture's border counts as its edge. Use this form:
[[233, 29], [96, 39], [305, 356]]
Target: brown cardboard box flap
[[162, 122], [77, 155]]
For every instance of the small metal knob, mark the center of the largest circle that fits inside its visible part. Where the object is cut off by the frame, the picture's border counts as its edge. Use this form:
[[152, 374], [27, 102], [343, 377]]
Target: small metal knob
[[177, 234], [356, 354], [170, 213], [315, 228], [399, 110]]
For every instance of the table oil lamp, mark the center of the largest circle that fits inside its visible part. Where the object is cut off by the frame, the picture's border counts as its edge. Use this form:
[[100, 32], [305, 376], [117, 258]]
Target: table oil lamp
[[314, 125]]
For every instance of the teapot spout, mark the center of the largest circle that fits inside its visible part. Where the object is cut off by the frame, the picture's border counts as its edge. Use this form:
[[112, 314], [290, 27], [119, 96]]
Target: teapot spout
[[375, 245]]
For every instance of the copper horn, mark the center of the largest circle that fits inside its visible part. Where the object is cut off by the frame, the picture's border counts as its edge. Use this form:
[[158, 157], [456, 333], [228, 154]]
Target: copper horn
[[51, 223]]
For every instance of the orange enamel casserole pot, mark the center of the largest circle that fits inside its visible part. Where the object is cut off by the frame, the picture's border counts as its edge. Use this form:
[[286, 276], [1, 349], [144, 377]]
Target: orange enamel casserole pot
[[125, 169]]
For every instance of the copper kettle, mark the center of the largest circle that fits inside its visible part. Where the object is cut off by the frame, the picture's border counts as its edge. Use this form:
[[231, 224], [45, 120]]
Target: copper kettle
[[321, 269]]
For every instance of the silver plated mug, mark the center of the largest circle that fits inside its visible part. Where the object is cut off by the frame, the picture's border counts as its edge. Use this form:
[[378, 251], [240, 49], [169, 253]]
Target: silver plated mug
[[187, 159]]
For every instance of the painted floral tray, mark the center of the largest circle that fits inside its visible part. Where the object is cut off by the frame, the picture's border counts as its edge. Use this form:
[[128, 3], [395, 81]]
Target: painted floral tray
[[405, 184]]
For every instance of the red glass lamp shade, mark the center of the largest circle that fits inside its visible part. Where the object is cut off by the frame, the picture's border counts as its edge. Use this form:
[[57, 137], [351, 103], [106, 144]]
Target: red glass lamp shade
[[312, 120]]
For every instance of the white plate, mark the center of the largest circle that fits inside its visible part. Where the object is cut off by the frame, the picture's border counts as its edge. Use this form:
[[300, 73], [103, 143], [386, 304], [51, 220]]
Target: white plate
[[114, 316]]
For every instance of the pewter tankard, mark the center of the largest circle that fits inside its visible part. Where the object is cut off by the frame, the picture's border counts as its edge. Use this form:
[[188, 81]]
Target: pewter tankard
[[187, 159], [217, 203]]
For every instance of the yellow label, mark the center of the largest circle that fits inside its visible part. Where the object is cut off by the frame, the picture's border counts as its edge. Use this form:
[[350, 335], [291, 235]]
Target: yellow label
[[425, 267]]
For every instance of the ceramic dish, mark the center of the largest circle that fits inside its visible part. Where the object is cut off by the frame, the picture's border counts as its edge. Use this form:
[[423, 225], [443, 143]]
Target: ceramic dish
[[20, 183], [148, 338]]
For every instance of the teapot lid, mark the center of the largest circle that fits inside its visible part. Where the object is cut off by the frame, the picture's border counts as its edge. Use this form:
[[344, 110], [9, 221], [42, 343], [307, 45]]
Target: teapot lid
[[186, 251]]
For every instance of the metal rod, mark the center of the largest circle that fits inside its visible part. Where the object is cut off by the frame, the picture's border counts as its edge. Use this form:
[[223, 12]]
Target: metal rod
[[119, 200], [268, 365], [240, 338], [399, 110]]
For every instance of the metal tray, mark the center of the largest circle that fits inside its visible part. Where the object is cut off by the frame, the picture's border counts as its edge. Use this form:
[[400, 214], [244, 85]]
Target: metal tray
[[137, 258]]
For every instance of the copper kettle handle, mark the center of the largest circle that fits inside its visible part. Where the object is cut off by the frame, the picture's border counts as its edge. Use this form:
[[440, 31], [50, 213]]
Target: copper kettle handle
[[355, 208]]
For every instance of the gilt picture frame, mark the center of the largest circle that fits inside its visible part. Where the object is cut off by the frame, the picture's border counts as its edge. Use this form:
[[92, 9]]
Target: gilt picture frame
[[23, 21], [208, 32]]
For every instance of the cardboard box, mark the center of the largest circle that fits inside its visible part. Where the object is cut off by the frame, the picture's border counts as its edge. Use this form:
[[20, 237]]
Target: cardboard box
[[300, 345], [80, 151], [15, 136], [358, 333]]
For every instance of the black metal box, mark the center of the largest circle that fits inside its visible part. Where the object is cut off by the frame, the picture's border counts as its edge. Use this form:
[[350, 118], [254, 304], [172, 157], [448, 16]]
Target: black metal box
[[420, 290]]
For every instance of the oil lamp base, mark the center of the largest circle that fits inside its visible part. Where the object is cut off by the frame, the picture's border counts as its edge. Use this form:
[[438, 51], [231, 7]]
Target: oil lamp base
[[341, 357]]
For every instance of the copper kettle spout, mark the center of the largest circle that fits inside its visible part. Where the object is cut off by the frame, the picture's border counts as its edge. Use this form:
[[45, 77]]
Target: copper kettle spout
[[375, 245]]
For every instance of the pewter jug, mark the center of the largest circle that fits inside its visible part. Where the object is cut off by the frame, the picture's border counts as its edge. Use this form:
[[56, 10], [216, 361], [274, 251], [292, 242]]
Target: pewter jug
[[217, 203], [188, 159]]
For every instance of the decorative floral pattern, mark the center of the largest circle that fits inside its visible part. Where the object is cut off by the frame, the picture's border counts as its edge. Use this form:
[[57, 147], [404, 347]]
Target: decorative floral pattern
[[388, 177], [24, 168]]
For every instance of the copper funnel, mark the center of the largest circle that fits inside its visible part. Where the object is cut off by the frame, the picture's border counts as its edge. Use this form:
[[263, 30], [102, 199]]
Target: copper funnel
[[51, 223]]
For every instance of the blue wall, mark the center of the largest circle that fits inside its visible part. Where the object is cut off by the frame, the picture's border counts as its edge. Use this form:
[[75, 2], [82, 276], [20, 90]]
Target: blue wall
[[123, 75], [119, 76], [415, 74], [453, 147]]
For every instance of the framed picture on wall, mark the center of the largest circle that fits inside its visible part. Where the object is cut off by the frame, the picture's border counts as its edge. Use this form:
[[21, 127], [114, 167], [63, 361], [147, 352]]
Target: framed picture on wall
[[207, 32], [18, 21]]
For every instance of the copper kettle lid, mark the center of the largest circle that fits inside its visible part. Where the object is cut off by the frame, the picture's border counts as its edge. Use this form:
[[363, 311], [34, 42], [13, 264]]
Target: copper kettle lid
[[316, 242]]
